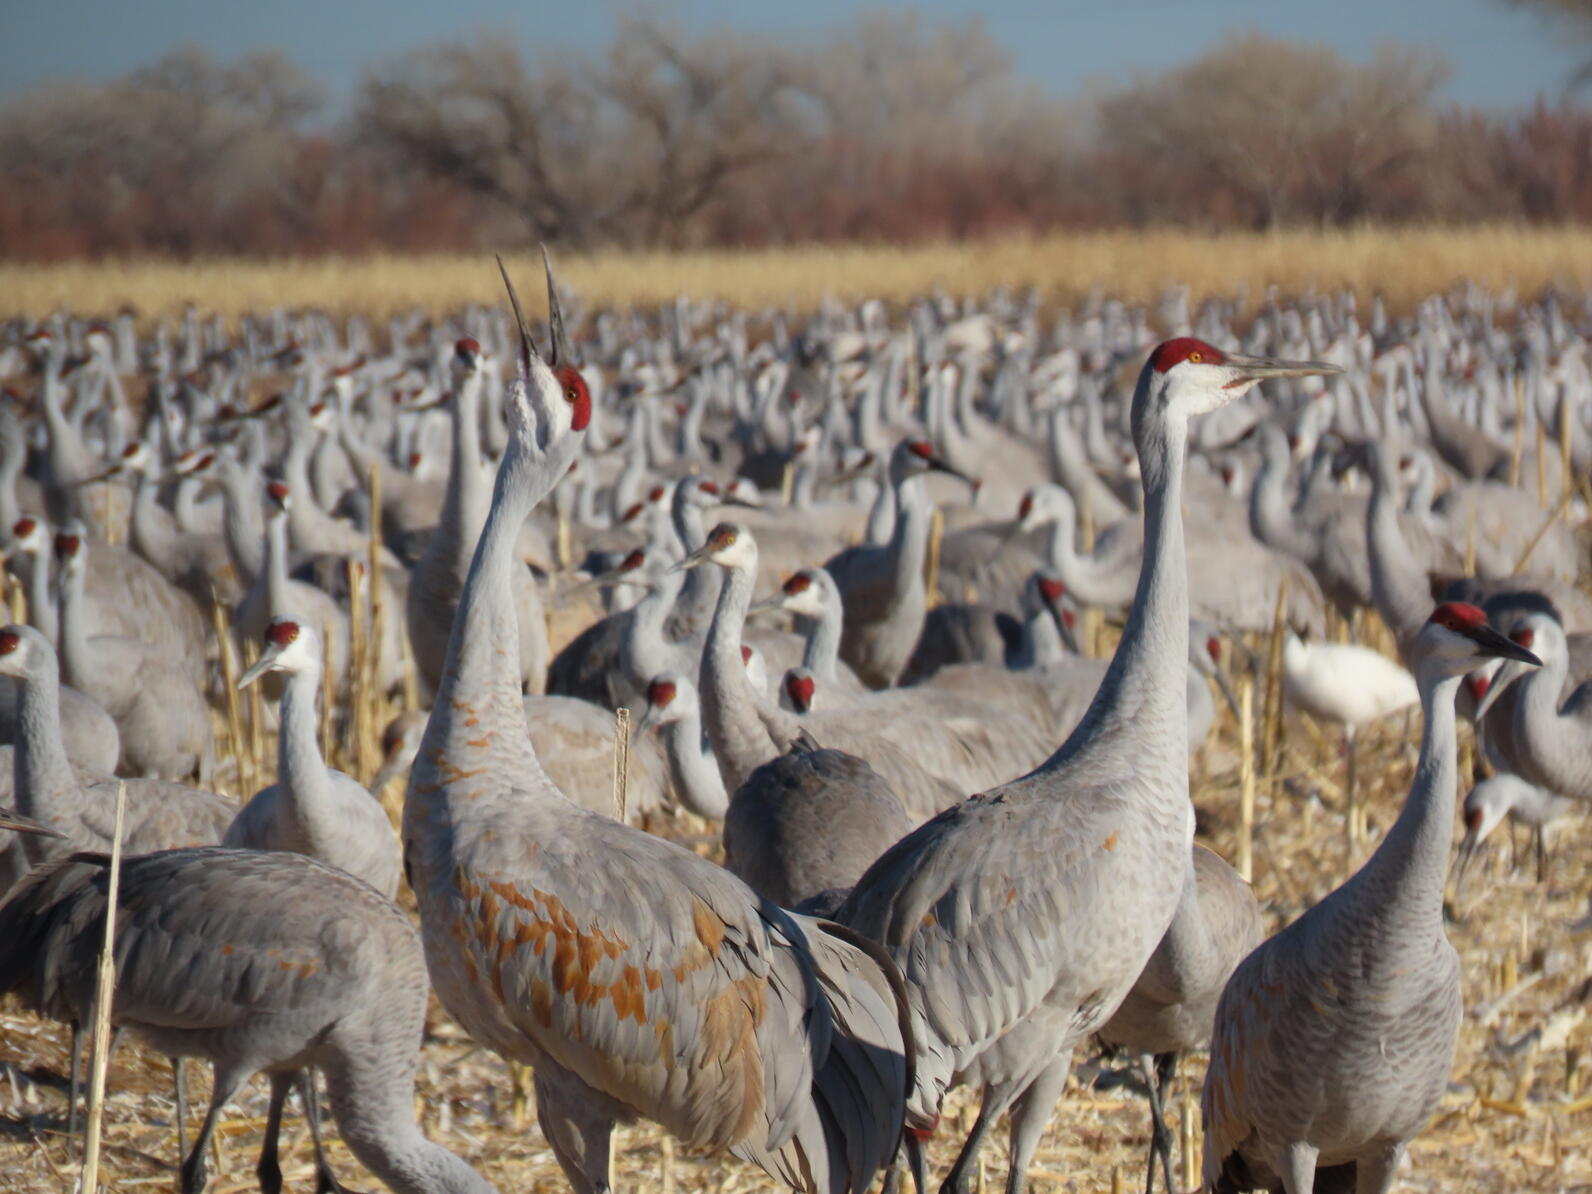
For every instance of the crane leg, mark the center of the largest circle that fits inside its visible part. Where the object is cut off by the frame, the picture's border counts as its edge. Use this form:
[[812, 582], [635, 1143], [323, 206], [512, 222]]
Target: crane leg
[[1157, 1077], [269, 1168], [1539, 836], [182, 1106], [1297, 1168], [194, 1170], [1375, 1174], [995, 1101], [1030, 1114], [74, 1083], [325, 1180]]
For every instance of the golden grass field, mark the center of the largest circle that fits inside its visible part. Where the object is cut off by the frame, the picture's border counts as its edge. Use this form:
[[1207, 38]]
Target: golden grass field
[[1405, 265]]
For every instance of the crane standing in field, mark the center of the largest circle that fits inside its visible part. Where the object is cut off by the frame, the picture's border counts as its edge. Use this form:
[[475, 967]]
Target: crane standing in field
[[1062, 882], [1334, 1039], [655, 985], [253, 961]]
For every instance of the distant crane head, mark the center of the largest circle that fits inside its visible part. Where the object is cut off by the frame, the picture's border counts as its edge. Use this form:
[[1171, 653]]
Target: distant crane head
[[1458, 636], [69, 546], [1189, 377], [915, 457], [28, 534], [802, 593], [291, 645], [548, 401], [670, 698], [800, 690], [729, 545], [468, 359], [1539, 639], [23, 651]]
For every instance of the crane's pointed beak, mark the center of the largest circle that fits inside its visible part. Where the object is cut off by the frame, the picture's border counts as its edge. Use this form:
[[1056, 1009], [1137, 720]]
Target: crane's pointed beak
[[777, 601], [560, 354], [528, 351], [696, 559], [1253, 369], [647, 721], [261, 666], [17, 823], [1491, 643]]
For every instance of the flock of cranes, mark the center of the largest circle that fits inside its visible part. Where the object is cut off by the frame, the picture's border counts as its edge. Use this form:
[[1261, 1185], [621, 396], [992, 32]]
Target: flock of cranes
[[956, 850]]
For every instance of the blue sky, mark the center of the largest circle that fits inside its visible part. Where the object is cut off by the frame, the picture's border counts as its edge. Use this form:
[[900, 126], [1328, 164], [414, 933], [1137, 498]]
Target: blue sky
[[1501, 57]]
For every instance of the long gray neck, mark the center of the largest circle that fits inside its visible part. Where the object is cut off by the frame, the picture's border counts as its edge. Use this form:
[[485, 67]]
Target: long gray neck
[[643, 649], [476, 733], [277, 599], [467, 498], [301, 771], [244, 534], [380, 1131], [44, 781], [13, 455], [77, 665], [1144, 692], [1270, 519], [1397, 586], [1556, 759], [740, 741], [821, 652], [42, 614], [150, 536], [909, 546], [693, 769], [1404, 878]]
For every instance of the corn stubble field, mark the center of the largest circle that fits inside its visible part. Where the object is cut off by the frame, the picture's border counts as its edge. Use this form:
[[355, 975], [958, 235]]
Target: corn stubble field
[[1518, 1113]]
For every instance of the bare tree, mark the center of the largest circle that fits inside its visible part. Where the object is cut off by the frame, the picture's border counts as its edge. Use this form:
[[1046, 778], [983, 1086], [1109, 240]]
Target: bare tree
[[1270, 132]]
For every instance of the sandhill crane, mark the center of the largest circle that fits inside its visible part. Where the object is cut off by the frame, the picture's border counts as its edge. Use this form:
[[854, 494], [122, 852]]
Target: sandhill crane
[[1102, 829], [162, 719], [123, 595], [1335, 1037], [657, 985], [196, 563], [1551, 732], [1508, 797], [811, 593], [882, 588], [438, 577], [808, 823], [746, 732], [674, 710], [89, 732], [252, 961], [1172, 1006], [312, 809], [159, 814]]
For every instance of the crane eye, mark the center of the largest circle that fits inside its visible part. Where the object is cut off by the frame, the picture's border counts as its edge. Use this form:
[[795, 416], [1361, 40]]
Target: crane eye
[[1196, 357], [571, 395]]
